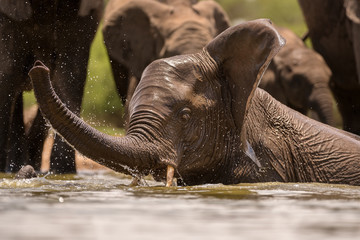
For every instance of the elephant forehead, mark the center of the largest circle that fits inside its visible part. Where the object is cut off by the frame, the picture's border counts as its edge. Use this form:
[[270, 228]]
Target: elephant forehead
[[168, 82], [171, 72]]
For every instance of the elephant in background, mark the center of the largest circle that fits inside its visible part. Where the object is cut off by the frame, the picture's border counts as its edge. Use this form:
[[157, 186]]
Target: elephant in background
[[299, 78], [334, 30], [60, 34], [200, 118], [137, 32]]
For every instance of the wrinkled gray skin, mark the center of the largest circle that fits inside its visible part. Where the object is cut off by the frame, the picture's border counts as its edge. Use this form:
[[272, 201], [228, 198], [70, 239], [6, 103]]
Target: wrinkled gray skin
[[334, 30], [299, 78], [203, 115], [59, 33], [137, 32]]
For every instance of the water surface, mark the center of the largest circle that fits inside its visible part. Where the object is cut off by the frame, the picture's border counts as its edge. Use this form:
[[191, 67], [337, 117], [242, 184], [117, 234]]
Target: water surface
[[103, 205]]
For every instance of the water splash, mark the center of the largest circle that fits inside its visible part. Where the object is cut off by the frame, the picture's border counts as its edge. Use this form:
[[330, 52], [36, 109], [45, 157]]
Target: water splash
[[251, 154]]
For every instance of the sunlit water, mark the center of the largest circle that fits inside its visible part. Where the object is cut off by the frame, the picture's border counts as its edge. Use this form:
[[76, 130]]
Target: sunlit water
[[104, 206]]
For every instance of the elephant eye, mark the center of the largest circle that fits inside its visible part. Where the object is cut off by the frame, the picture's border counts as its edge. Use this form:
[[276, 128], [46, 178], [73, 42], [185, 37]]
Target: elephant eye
[[185, 115]]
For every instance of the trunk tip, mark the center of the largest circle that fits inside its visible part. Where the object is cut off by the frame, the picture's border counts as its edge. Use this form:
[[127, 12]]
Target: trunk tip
[[39, 63], [38, 67]]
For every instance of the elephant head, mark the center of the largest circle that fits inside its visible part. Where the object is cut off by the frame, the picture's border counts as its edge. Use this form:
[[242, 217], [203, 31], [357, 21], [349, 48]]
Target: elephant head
[[299, 77], [186, 114], [305, 80], [139, 32]]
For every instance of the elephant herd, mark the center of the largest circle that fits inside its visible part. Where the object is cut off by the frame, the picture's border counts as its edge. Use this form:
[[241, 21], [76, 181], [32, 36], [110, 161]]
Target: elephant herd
[[195, 89]]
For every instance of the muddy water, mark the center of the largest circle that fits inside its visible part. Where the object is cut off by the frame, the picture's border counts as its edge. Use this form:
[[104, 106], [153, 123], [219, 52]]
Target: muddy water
[[104, 206]]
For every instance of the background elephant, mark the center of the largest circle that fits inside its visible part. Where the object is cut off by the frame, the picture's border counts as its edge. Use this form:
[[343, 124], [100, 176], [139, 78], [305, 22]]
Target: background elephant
[[334, 30], [201, 118], [138, 32], [299, 78], [60, 34]]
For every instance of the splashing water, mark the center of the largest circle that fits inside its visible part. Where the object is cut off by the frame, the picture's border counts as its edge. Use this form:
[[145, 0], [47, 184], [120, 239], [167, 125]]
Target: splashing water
[[103, 205]]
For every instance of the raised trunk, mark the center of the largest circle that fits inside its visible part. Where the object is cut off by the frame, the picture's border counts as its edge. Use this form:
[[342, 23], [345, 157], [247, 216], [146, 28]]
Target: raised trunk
[[124, 154]]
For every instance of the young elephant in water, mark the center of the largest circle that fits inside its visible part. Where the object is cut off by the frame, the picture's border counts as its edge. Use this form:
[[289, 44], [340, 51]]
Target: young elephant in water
[[299, 78], [202, 119]]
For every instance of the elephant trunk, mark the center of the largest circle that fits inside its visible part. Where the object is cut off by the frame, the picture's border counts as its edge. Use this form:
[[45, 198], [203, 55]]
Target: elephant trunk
[[124, 154], [321, 104]]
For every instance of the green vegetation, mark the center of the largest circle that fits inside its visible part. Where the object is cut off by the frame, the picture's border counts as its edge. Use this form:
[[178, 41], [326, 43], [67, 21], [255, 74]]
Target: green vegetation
[[101, 105], [283, 13]]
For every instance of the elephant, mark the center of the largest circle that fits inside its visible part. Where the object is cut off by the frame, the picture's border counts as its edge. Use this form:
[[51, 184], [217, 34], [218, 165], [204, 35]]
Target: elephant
[[200, 118], [299, 78], [334, 30], [59, 33], [136, 32]]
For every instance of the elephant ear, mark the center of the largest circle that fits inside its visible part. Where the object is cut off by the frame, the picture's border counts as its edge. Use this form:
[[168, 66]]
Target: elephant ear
[[352, 8], [129, 34], [19, 10], [243, 53], [214, 12]]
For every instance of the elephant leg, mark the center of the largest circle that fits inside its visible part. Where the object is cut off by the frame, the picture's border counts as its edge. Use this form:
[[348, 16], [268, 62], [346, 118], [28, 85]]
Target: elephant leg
[[17, 147], [69, 78], [353, 27], [13, 75], [62, 159], [5, 110], [349, 107], [7, 91], [36, 138], [351, 115], [351, 118], [70, 90]]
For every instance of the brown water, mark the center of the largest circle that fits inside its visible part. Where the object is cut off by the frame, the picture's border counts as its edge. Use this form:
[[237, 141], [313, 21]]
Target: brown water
[[104, 206]]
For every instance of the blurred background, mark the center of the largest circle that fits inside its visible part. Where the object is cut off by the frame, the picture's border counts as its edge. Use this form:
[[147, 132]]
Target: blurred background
[[102, 107]]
